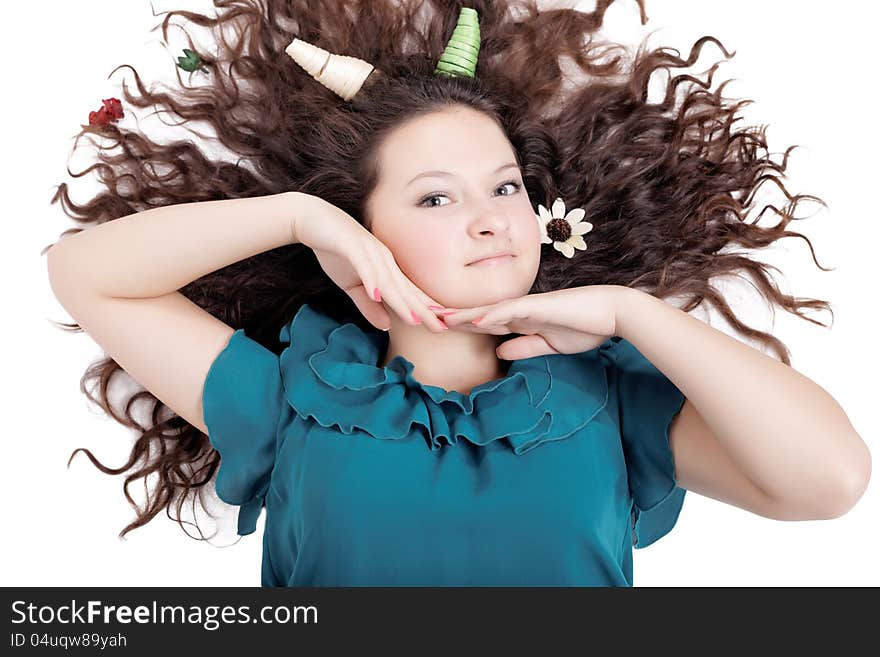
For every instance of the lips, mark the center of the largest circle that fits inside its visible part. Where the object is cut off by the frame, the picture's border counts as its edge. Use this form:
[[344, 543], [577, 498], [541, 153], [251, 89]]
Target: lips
[[494, 255]]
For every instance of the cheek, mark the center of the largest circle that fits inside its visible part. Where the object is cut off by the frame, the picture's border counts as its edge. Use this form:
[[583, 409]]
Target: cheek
[[425, 255], [528, 236], [530, 231], [531, 260]]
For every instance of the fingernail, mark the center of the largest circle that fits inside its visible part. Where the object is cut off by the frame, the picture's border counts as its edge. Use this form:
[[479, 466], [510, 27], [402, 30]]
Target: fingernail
[[415, 317], [376, 295], [478, 320], [443, 324]]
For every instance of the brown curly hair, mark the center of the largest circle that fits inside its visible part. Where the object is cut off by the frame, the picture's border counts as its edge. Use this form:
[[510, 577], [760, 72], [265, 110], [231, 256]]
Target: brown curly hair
[[667, 184]]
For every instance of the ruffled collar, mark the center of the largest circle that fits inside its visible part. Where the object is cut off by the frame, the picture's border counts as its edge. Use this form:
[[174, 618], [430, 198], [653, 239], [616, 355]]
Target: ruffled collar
[[330, 372]]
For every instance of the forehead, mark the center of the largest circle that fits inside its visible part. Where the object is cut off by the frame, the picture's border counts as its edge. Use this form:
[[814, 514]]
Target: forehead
[[459, 140]]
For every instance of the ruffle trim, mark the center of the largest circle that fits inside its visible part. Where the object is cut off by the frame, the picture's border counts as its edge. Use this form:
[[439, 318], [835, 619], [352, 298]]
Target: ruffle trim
[[330, 372], [249, 512], [651, 524]]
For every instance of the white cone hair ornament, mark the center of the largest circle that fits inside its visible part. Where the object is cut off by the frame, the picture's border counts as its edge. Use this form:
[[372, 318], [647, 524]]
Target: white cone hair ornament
[[341, 74], [345, 75]]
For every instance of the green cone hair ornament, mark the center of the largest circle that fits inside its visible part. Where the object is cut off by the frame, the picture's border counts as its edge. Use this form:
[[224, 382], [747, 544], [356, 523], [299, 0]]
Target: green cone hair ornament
[[344, 75], [460, 55]]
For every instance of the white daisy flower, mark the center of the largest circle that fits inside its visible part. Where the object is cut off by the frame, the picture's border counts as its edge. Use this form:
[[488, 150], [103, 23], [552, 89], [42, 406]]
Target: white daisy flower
[[563, 230]]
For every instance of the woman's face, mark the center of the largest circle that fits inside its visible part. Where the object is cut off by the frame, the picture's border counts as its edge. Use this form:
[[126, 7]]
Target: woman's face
[[437, 224]]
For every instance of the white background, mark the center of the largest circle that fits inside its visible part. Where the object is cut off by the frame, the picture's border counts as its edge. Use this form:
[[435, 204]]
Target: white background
[[812, 74]]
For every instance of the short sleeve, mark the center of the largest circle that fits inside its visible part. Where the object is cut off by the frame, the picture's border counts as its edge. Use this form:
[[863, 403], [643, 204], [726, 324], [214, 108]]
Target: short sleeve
[[647, 402], [241, 403]]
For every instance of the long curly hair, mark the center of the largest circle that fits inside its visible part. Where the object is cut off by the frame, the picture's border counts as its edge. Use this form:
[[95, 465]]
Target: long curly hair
[[667, 184]]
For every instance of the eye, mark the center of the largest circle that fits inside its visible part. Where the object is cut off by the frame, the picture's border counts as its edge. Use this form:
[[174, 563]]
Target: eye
[[515, 184], [428, 198], [433, 195]]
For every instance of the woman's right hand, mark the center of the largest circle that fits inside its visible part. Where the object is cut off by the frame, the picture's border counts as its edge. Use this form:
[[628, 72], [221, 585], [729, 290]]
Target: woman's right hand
[[359, 263]]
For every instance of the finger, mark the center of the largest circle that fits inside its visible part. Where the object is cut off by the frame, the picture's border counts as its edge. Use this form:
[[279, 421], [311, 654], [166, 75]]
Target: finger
[[394, 297], [420, 306], [423, 296], [495, 329], [438, 309], [413, 297], [417, 312], [373, 311], [506, 312], [466, 315], [362, 294], [408, 307], [511, 315], [388, 288], [526, 346], [432, 304], [367, 296]]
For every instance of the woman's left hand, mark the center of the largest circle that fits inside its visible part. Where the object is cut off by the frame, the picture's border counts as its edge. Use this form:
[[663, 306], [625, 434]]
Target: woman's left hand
[[560, 322]]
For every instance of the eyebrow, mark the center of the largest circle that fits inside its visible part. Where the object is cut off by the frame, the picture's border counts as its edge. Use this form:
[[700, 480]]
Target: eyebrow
[[425, 174]]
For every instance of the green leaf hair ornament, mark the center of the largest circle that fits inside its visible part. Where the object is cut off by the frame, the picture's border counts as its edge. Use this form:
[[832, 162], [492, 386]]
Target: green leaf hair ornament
[[190, 62], [345, 75]]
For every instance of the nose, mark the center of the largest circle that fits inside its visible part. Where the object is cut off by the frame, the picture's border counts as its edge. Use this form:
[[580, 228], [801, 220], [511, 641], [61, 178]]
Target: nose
[[491, 220]]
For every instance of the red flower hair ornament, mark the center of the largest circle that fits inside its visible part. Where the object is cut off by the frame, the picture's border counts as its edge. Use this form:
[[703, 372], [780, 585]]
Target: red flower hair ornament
[[110, 112]]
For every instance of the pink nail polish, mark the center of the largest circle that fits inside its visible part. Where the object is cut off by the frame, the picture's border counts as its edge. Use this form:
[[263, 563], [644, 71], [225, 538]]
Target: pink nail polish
[[376, 295]]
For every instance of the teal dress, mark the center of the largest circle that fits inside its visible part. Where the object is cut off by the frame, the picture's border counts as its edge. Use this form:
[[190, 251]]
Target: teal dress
[[548, 476]]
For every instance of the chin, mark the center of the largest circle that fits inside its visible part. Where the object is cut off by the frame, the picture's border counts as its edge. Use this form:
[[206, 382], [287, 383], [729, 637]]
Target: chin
[[490, 293], [483, 289]]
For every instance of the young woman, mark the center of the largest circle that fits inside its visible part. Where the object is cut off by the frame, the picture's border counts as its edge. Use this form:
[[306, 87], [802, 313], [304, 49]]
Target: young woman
[[420, 319]]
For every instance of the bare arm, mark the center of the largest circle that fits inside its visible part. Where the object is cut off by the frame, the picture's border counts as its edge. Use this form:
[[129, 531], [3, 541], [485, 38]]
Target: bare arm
[[157, 251], [751, 426], [119, 281]]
